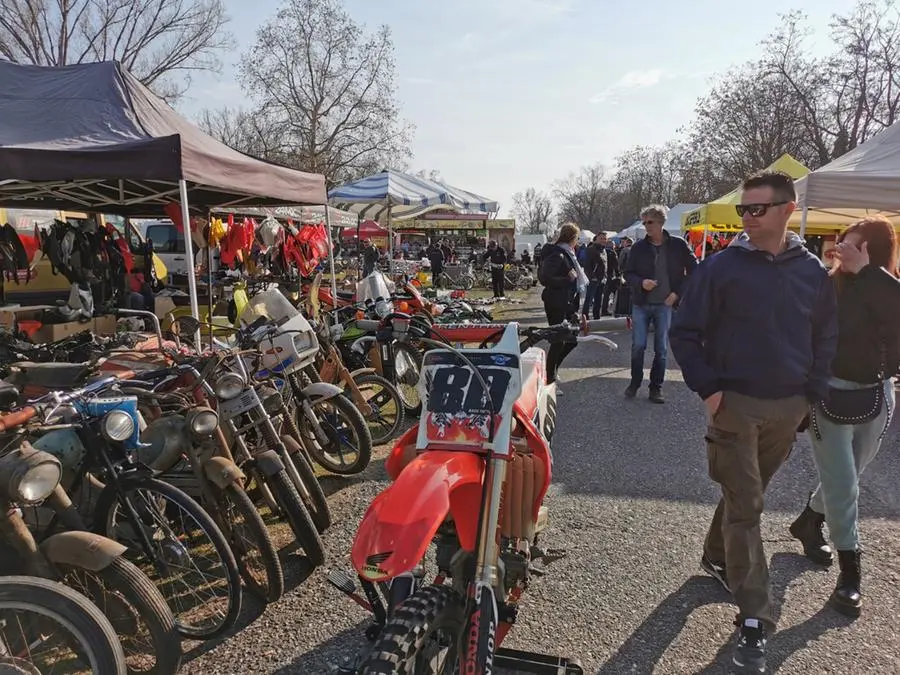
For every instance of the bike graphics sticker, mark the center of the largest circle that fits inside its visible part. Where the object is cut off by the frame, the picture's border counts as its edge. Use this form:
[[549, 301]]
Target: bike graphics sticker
[[458, 411]]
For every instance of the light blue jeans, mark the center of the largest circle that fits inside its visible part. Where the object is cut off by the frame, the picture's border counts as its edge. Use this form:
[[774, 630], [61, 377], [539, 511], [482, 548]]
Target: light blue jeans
[[842, 452], [642, 316]]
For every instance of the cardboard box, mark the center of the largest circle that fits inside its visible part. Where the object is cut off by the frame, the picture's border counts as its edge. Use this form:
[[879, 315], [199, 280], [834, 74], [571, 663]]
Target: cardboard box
[[105, 325]]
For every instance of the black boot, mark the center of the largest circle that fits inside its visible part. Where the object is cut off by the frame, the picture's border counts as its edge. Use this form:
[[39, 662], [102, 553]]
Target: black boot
[[808, 530], [846, 597]]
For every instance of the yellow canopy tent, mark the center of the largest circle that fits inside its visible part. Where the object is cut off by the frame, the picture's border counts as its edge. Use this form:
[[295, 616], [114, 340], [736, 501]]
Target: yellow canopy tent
[[719, 215]]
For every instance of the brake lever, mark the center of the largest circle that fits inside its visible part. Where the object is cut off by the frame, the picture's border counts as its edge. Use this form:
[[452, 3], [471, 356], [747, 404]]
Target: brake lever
[[605, 341]]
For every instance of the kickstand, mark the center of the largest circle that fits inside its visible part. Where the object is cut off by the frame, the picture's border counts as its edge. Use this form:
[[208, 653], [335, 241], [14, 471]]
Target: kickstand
[[551, 555]]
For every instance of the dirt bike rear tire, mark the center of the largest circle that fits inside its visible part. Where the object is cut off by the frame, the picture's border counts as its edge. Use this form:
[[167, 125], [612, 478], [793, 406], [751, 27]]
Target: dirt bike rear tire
[[432, 608]]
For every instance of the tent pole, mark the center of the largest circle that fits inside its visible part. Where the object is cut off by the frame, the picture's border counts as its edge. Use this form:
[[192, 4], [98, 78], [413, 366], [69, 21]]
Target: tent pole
[[331, 252], [390, 242], [189, 255], [705, 235], [803, 216]]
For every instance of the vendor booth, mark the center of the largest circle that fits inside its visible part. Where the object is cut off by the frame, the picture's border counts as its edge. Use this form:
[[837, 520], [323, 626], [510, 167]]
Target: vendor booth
[[91, 137]]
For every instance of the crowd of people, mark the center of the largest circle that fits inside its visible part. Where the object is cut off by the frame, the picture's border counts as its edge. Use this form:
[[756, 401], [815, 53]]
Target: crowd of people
[[774, 343]]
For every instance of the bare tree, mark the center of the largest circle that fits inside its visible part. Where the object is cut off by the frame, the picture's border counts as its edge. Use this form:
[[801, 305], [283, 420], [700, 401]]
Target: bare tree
[[645, 175], [531, 209], [257, 134], [160, 41], [432, 175], [329, 88], [586, 198]]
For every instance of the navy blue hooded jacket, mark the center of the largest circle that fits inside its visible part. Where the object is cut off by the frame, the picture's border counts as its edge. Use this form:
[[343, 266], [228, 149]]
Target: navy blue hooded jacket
[[757, 324]]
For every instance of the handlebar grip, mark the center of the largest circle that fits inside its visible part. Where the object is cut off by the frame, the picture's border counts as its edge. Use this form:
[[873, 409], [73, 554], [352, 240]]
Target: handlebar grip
[[17, 418], [367, 324], [606, 323]]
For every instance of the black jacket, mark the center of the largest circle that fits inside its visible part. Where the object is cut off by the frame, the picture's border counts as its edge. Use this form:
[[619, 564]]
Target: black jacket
[[641, 265], [868, 312], [595, 262], [560, 292], [497, 256]]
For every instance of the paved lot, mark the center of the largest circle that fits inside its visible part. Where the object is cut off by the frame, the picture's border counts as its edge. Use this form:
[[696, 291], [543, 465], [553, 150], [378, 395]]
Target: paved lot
[[631, 503]]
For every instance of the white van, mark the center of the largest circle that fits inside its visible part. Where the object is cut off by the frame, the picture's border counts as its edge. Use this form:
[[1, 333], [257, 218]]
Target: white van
[[168, 244]]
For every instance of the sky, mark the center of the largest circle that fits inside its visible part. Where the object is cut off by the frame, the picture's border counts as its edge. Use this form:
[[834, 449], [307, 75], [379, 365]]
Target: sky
[[511, 94]]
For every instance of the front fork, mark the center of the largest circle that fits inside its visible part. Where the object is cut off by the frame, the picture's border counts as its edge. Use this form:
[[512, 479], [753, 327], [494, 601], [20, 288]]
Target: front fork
[[482, 615]]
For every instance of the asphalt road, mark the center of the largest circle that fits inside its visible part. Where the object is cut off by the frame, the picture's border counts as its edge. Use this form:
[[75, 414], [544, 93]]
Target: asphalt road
[[631, 502]]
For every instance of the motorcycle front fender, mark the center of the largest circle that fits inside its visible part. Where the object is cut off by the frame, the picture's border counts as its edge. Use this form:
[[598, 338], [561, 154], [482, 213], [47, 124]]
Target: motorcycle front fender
[[222, 472], [84, 550], [362, 371], [401, 522], [268, 463], [321, 391]]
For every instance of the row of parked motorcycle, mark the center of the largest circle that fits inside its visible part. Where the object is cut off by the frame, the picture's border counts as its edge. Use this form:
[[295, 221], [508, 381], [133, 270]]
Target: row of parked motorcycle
[[140, 476]]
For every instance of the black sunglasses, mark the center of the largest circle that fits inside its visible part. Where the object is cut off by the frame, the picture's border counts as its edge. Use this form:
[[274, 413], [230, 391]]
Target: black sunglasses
[[755, 210]]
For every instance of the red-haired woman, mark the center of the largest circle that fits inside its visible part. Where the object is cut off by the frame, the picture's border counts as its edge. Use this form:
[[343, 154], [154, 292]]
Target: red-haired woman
[[847, 428]]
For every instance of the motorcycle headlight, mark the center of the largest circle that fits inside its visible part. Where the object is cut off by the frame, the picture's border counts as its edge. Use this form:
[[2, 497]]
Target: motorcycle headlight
[[118, 425], [36, 484], [204, 423], [382, 309], [229, 386]]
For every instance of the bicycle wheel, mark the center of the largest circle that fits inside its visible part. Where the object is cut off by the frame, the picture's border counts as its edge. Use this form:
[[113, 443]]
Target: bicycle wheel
[[308, 486], [254, 550], [45, 625], [386, 418], [298, 517], [349, 447], [408, 367], [188, 557], [137, 611]]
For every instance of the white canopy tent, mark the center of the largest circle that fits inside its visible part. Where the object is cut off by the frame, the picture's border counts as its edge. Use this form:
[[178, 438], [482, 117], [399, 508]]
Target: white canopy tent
[[393, 195], [673, 222], [863, 182]]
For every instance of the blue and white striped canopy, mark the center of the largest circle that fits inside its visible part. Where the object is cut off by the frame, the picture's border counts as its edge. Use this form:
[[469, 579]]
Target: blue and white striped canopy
[[407, 196]]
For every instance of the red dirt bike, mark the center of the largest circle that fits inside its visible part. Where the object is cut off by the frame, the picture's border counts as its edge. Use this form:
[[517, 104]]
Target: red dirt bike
[[471, 479]]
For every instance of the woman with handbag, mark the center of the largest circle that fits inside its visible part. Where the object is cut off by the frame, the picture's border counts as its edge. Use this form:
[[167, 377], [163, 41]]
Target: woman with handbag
[[564, 284], [847, 429]]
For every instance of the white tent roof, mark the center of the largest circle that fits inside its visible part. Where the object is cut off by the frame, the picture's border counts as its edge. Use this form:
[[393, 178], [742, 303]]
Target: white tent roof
[[863, 182], [407, 196]]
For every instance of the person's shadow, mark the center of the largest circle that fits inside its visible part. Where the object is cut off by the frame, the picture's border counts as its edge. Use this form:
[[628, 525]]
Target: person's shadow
[[646, 646]]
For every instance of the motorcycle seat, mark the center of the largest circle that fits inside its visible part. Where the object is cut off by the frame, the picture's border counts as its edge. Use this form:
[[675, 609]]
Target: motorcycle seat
[[346, 295], [50, 375], [9, 395]]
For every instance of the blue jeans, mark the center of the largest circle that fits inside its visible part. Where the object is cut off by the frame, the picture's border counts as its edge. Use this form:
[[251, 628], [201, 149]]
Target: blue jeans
[[642, 316], [592, 297], [842, 452]]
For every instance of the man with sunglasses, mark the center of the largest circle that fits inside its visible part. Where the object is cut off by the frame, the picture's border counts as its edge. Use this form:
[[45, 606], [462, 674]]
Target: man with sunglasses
[[657, 268], [754, 335]]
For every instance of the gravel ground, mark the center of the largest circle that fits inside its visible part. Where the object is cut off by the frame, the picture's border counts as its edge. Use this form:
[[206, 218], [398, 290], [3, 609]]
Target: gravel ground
[[630, 503]]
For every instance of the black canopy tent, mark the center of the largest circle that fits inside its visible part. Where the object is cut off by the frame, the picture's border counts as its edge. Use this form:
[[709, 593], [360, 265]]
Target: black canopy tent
[[91, 137]]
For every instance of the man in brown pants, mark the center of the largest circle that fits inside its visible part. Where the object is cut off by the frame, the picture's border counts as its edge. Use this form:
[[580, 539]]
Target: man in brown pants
[[754, 336]]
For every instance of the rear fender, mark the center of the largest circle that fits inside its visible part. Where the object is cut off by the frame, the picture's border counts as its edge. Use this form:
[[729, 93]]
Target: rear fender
[[400, 523], [85, 550], [222, 472]]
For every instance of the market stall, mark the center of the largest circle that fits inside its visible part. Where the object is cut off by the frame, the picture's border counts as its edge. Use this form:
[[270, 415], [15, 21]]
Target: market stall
[[392, 196], [91, 137]]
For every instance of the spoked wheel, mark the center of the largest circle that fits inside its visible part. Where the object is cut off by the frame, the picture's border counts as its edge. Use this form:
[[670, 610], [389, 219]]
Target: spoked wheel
[[256, 555], [408, 367], [188, 558], [137, 611], [46, 627], [386, 418], [349, 447], [422, 637]]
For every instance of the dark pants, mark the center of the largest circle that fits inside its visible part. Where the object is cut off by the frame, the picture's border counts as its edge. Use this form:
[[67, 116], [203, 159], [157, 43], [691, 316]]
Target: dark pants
[[608, 289], [436, 273], [642, 317], [497, 280], [592, 297], [558, 350], [748, 439]]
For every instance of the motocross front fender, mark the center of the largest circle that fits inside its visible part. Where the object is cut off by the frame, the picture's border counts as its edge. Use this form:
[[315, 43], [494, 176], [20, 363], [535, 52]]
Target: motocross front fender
[[85, 550], [401, 521], [268, 462], [321, 391], [222, 472], [362, 371]]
